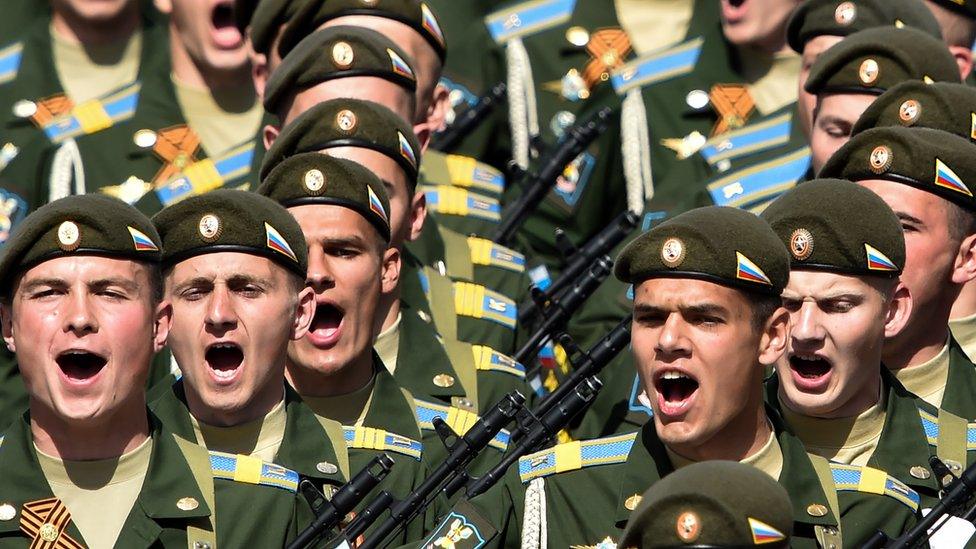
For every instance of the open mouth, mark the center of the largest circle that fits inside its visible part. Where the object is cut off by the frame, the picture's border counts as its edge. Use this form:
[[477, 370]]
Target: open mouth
[[810, 371], [225, 32], [675, 391], [326, 324], [733, 10], [224, 360], [80, 365]]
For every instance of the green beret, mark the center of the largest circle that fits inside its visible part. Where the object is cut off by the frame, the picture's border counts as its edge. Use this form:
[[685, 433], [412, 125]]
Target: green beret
[[941, 105], [229, 220], [267, 17], [845, 17], [724, 245], [349, 51], [838, 226], [712, 504], [413, 13], [873, 60], [927, 159], [91, 224], [347, 123], [313, 178], [966, 8]]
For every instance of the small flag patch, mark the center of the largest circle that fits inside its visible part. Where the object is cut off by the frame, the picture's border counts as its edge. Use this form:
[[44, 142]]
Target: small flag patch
[[375, 205], [142, 242], [399, 65], [406, 150], [764, 533], [277, 243], [430, 23], [945, 177], [878, 261], [747, 270]]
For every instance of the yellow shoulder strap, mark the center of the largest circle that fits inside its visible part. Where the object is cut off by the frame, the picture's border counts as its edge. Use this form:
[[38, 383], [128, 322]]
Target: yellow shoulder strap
[[198, 459], [828, 537], [952, 442], [333, 430]]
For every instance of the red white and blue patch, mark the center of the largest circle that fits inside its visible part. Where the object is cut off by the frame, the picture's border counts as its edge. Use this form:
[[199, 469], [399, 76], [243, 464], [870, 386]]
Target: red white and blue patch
[[406, 150], [277, 242], [764, 533], [749, 271], [399, 65], [430, 23], [945, 177], [878, 261], [141, 242], [375, 205]]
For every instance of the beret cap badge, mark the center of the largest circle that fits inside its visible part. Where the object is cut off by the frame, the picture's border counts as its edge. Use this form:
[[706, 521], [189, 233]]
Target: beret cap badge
[[880, 159], [688, 526], [869, 72], [346, 120], [342, 55], [845, 13], [209, 227], [673, 252], [314, 181], [801, 244], [69, 236], [909, 111]]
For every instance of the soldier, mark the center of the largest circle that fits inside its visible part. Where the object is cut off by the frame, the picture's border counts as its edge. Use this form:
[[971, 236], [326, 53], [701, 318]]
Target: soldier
[[922, 180], [845, 298], [958, 23], [707, 321], [231, 279], [851, 75], [713, 503], [89, 465], [342, 210]]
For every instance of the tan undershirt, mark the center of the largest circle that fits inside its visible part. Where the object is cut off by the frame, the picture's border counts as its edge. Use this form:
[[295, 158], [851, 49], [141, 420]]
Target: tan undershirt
[[388, 344], [349, 409], [769, 458], [964, 330], [928, 380], [98, 494], [222, 121], [260, 438], [93, 71], [774, 88], [849, 440], [654, 24]]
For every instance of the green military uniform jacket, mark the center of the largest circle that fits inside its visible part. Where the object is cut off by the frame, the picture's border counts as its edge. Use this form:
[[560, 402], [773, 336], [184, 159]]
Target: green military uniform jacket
[[19, 16], [261, 512], [592, 486], [911, 435], [960, 391]]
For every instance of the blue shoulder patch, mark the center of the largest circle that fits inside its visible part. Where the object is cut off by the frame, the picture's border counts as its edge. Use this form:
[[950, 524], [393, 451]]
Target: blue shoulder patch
[[872, 481], [369, 438], [528, 18], [657, 66], [10, 57], [572, 456], [251, 470], [754, 187]]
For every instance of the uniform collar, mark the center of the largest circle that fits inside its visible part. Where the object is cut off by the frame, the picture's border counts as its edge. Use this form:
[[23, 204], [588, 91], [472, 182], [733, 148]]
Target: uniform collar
[[422, 358], [388, 408], [306, 444], [960, 391]]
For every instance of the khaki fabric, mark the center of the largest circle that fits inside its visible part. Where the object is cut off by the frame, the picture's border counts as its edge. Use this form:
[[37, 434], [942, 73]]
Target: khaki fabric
[[93, 71], [220, 120], [928, 380], [388, 344], [964, 330], [348, 409], [775, 85], [769, 458], [259, 438], [654, 24], [849, 440]]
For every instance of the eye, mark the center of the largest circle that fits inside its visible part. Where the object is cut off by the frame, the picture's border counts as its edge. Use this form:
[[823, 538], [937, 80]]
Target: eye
[[837, 306], [792, 305]]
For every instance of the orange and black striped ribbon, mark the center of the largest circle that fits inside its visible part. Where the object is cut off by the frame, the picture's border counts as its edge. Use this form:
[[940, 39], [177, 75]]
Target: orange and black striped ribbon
[[45, 521], [177, 147], [608, 48], [51, 108], [733, 104]]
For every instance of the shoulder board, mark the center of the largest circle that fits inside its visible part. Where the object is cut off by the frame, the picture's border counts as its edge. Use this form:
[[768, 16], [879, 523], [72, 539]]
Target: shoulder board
[[95, 115], [476, 301], [657, 66], [458, 419], [872, 481], [528, 18], [208, 174], [930, 424], [450, 200], [488, 359], [572, 456], [486, 252], [754, 187], [466, 171], [10, 61], [251, 470], [748, 139], [369, 438]]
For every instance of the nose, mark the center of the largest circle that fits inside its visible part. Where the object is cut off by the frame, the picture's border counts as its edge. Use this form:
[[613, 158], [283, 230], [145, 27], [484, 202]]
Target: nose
[[672, 340], [80, 317], [319, 276], [220, 310], [806, 327]]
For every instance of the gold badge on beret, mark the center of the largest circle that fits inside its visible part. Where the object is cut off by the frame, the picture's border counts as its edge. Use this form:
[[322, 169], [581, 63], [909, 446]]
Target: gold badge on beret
[[688, 526], [869, 72], [845, 13], [314, 181], [210, 227], [881, 158], [801, 244], [69, 236], [346, 120], [909, 111], [342, 55], [673, 252]]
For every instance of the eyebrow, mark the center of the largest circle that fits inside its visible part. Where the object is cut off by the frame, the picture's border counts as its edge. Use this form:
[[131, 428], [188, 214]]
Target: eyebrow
[[234, 280], [841, 294], [698, 308], [343, 240], [101, 283], [904, 216]]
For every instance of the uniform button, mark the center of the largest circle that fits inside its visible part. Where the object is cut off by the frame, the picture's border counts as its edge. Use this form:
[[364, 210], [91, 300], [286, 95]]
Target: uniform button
[[187, 504], [953, 466], [444, 380], [201, 545], [816, 510], [326, 468], [919, 472], [24, 108], [697, 99], [144, 139], [465, 403], [632, 502], [7, 511], [577, 36], [424, 316]]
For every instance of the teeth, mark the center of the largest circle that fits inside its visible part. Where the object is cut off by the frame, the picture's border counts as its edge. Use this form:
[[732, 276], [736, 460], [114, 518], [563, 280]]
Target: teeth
[[223, 374], [807, 357], [673, 375]]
